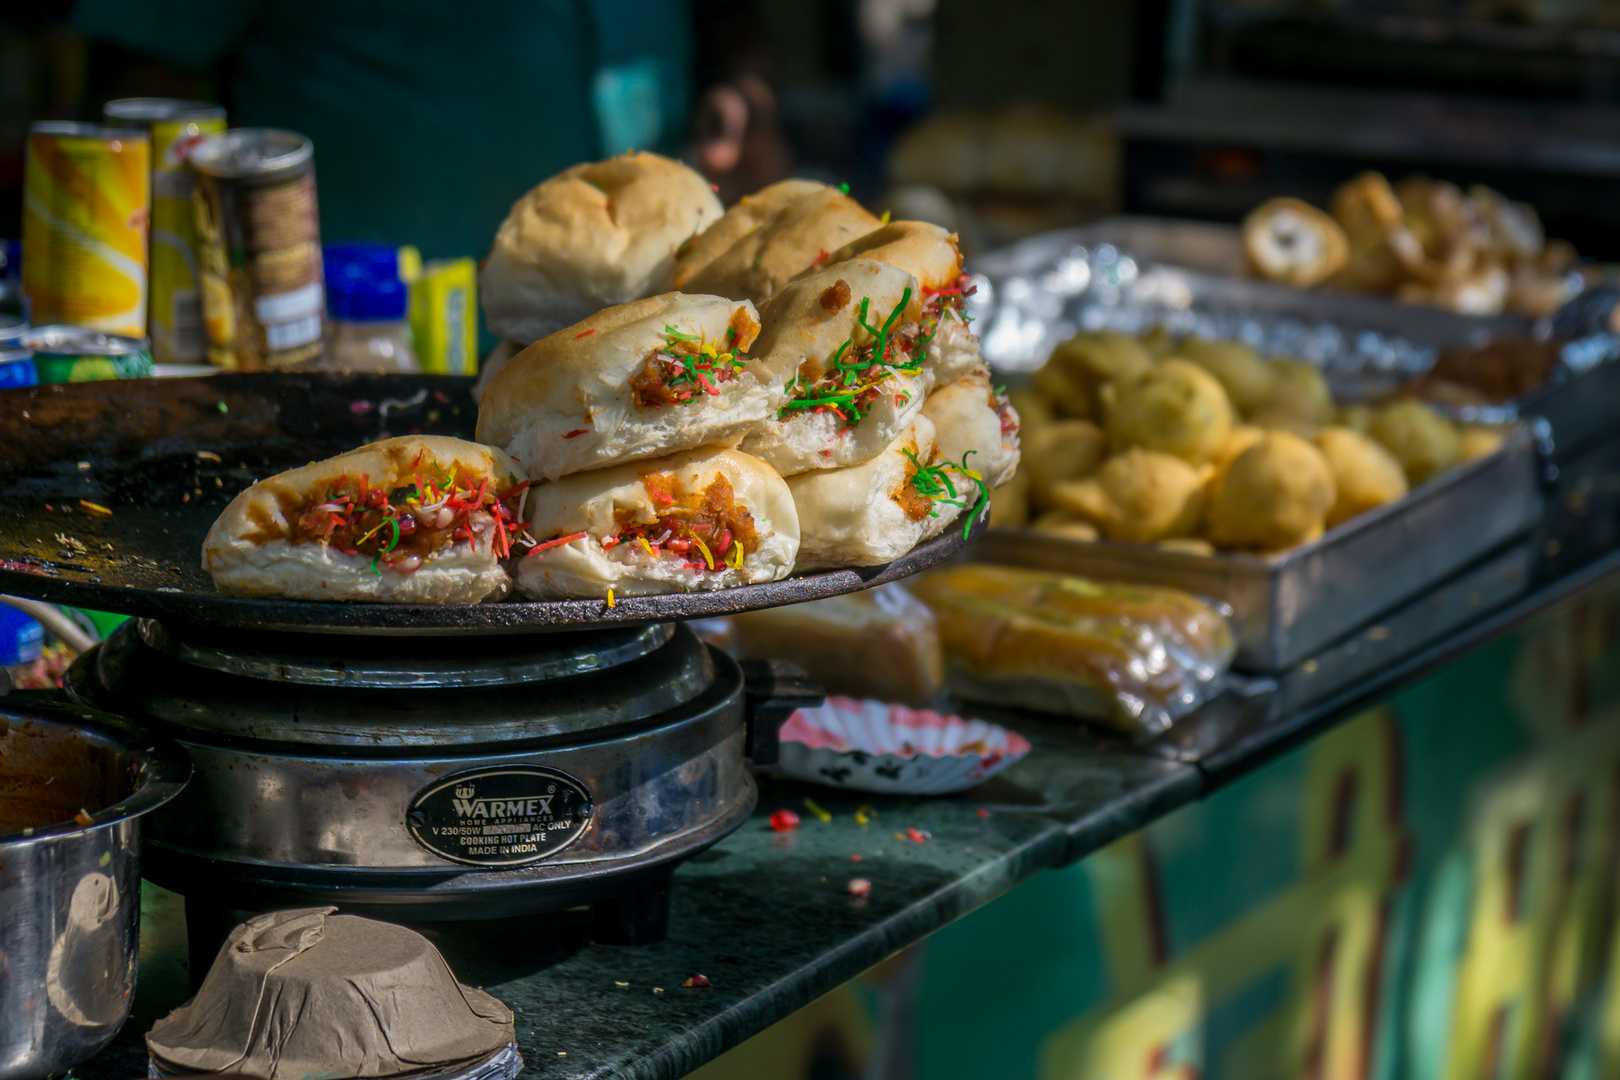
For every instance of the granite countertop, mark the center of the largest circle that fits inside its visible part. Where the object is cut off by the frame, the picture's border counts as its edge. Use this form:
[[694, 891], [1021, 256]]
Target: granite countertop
[[768, 917]]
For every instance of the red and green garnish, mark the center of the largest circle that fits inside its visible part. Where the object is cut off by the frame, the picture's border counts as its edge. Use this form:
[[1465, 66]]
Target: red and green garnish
[[852, 382], [685, 366], [930, 483], [401, 526], [706, 531]]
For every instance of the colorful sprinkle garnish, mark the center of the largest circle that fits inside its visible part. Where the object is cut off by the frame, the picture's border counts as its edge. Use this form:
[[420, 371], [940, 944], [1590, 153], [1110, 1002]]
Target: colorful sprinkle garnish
[[784, 821]]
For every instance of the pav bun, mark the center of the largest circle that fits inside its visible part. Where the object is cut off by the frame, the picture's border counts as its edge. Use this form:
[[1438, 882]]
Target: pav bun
[[800, 236], [594, 235], [969, 417], [811, 326], [875, 512], [710, 518], [635, 381], [929, 254], [750, 212], [321, 532]]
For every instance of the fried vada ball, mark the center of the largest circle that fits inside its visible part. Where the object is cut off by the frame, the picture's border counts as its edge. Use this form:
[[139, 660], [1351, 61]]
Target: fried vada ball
[[1034, 408], [1175, 407], [1089, 360], [1057, 524], [1009, 503], [1158, 343], [1243, 436], [1365, 475], [1066, 395], [1478, 440], [1424, 442], [1248, 380], [1140, 495], [1300, 394], [1274, 495], [1357, 418], [1059, 451]]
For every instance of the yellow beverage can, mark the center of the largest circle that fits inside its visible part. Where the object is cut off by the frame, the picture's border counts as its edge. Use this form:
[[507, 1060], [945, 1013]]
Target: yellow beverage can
[[444, 317], [86, 201], [174, 308]]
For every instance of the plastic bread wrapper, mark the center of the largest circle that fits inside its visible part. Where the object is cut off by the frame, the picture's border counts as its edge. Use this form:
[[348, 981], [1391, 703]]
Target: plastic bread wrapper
[[894, 750], [1131, 657], [303, 993]]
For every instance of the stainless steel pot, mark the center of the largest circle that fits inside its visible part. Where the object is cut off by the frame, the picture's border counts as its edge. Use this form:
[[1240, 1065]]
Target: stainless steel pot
[[70, 890]]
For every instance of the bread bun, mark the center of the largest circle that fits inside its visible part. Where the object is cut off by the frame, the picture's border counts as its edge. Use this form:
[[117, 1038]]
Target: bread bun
[[597, 234], [875, 512], [799, 236], [750, 212], [644, 528], [810, 323], [321, 532], [969, 417], [929, 254], [615, 388]]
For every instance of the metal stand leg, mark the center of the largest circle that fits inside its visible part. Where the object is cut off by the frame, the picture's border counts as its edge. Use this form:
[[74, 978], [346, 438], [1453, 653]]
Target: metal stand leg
[[638, 916]]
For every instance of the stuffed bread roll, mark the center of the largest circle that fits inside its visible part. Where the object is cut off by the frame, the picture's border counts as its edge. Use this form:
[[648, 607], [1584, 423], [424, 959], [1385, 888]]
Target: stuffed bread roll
[[799, 236], [929, 254], [704, 519], [635, 381], [750, 212], [976, 427], [596, 234], [846, 341], [875, 512], [420, 519]]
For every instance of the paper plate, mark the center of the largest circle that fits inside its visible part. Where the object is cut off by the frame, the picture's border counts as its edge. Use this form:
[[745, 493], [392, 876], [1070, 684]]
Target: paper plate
[[893, 750]]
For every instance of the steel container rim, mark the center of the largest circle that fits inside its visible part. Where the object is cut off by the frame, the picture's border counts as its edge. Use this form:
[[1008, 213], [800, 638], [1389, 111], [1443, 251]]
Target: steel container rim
[[165, 766]]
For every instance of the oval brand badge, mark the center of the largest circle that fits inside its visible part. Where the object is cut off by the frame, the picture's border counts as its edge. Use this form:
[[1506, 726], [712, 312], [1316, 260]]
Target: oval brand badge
[[499, 817]]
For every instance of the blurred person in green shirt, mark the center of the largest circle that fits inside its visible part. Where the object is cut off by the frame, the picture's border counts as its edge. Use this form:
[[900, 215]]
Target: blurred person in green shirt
[[428, 118]]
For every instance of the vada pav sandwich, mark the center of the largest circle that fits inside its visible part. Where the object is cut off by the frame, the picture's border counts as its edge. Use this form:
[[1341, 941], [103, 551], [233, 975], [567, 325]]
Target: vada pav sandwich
[[420, 519], [749, 213], [798, 237], [875, 512], [635, 381], [929, 254], [597, 234], [976, 425], [848, 343], [711, 518]]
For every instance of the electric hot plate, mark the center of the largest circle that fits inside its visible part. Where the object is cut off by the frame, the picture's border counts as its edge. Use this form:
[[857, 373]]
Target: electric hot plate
[[107, 490], [395, 760]]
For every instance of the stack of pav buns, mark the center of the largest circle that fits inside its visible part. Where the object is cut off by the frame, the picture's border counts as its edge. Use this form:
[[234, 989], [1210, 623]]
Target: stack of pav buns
[[710, 400]]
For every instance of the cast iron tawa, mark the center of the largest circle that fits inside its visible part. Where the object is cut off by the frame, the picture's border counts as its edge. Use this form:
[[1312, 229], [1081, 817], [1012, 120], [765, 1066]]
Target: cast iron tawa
[[108, 488]]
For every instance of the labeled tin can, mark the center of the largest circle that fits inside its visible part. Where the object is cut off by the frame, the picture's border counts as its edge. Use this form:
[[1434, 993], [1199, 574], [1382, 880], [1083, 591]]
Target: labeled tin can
[[444, 317], [77, 354], [174, 305], [259, 242], [86, 200]]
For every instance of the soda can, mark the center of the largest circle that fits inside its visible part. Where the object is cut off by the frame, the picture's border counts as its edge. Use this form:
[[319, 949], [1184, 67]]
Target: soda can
[[86, 200], [259, 242], [16, 361], [444, 317], [77, 354], [174, 305]]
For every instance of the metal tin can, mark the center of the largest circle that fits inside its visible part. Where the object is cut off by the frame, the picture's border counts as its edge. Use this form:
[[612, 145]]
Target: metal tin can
[[86, 200], [259, 239], [444, 317], [174, 306], [76, 354]]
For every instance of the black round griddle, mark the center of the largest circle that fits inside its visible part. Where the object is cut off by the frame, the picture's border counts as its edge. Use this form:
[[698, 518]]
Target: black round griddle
[[165, 456]]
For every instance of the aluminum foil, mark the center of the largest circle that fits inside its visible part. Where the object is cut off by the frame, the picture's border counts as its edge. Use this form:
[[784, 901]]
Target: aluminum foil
[[1037, 293]]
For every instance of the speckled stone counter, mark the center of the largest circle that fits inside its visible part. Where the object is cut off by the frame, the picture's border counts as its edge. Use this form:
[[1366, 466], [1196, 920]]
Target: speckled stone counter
[[769, 919]]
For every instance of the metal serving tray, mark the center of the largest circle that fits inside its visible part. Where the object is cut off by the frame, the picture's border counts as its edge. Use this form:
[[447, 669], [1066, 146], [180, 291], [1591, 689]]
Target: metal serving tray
[[1134, 273], [1288, 606]]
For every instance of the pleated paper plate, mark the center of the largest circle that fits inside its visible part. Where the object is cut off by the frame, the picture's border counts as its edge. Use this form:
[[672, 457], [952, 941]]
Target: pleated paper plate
[[893, 750]]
